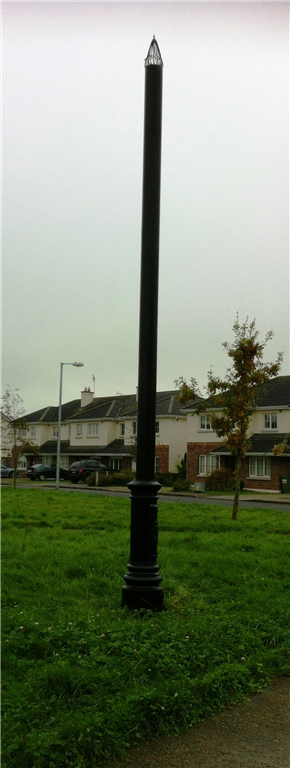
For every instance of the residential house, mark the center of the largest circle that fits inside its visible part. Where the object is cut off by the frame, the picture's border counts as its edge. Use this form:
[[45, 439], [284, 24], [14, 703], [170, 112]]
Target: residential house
[[269, 426], [6, 441], [105, 428], [7, 444]]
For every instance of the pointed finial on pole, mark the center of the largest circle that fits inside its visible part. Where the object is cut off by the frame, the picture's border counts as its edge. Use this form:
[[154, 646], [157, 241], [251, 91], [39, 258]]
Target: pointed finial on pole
[[154, 55]]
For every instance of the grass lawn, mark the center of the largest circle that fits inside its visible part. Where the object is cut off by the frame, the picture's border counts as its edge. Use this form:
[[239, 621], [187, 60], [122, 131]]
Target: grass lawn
[[82, 678]]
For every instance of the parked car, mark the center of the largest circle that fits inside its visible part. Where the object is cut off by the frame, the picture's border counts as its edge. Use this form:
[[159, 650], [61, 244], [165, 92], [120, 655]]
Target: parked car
[[6, 471], [80, 470], [45, 471]]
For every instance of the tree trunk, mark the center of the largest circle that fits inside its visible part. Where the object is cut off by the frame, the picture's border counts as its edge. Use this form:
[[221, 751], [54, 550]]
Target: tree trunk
[[237, 491]]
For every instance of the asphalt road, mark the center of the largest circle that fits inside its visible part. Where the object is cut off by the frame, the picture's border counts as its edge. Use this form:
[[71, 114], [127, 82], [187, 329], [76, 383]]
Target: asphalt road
[[223, 502], [226, 501]]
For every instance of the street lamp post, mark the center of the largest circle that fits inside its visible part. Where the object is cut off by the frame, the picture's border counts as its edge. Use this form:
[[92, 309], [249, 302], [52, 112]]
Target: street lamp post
[[142, 581], [77, 365]]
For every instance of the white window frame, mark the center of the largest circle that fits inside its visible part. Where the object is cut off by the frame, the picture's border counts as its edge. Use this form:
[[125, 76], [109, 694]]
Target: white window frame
[[206, 426], [32, 431], [79, 430], [134, 427], [22, 432], [93, 429], [157, 430], [260, 467], [115, 464], [272, 419], [54, 431], [156, 465], [69, 430], [207, 463], [122, 429]]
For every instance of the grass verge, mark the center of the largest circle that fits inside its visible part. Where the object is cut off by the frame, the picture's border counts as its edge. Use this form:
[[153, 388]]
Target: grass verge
[[84, 679]]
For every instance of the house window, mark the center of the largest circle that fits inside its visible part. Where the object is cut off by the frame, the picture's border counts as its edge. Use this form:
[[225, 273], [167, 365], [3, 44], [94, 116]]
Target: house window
[[156, 427], [22, 432], [208, 464], [134, 427], [115, 464], [156, 468], [122, 430], [205, 421], [270, 420], [93, 430], [54, 431], [69, 430], [79, 430], [32, 431], [259, 466]]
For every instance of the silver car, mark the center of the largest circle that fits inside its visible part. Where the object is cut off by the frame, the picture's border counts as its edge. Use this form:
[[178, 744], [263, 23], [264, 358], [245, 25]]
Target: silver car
[[6, 471]]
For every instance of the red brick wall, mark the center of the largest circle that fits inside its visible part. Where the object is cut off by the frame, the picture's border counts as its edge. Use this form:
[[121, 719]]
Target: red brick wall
[[126, 463], [280, 466], [29, 457], [194, 450], [163, 452]]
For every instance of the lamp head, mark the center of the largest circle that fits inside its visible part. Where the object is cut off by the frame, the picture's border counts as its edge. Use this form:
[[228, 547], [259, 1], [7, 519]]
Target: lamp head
[[78, 365]]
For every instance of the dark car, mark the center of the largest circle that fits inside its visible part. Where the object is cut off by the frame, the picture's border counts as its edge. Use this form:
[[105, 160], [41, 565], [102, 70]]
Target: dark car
[[6, 471], [44, 471], [80, 470]]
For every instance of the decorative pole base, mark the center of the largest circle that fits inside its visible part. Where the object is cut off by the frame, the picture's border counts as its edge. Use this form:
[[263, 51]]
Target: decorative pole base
[[142, 590]]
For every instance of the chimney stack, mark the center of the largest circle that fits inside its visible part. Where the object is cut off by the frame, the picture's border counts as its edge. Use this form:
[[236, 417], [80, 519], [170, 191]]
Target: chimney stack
[[86, 397]]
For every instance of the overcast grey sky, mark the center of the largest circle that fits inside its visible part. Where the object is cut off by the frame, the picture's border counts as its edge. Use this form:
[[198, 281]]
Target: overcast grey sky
[[73, 101]]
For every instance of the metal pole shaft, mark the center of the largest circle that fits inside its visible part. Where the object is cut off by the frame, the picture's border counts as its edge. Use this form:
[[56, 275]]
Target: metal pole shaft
[[142, 581], [59, 430], [149, 274]]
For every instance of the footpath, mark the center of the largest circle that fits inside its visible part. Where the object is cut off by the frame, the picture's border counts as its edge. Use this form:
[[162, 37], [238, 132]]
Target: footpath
[[254, 734]]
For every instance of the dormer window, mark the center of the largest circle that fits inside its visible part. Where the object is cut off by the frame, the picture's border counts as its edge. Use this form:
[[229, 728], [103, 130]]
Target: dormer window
[[270, 420], [79, 430], [134, 427], [54, 431], [205, 421], [122, 430], [93, 430]]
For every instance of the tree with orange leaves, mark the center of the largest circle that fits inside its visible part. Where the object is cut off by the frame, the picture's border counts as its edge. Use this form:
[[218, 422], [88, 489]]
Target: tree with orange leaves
[[233, 400]]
